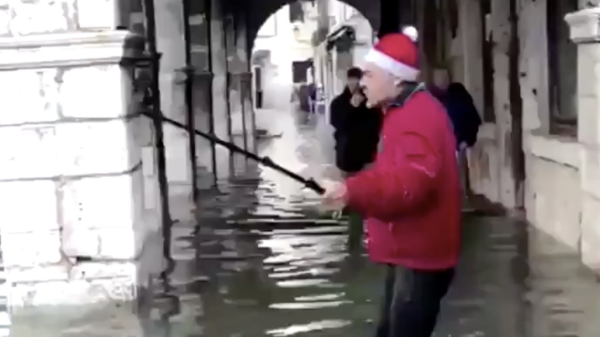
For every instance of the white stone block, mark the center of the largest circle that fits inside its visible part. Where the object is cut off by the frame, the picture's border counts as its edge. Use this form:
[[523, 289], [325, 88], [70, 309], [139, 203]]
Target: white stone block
[[560, 150], [28, 96], [555, 207], [102, 202], [27, 206], [108, 319], [588, 114], [102, 270], [584, 24], [41, 16], [62, 50], [28, 152], [587, 60], [96, 14], [68, 272], [37, 273], [590, 169], [5, 16], [77, 292], [590, 232], [67, 149], [96, 148], [30, 249], [113, 243], [95, 92]]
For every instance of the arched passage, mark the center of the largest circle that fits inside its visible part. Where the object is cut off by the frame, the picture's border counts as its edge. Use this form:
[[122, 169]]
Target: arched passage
[[261, 10], [305, 45]]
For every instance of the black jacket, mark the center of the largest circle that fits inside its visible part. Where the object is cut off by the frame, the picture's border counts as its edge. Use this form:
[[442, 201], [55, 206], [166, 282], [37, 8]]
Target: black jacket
[[462, 112], [356, 132]]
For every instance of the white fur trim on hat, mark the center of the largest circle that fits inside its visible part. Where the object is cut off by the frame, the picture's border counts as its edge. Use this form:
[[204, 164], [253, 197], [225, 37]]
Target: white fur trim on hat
[[399, 69], [411, 32]]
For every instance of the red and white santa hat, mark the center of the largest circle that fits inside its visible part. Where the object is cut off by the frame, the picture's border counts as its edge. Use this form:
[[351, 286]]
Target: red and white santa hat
[[398, 54]]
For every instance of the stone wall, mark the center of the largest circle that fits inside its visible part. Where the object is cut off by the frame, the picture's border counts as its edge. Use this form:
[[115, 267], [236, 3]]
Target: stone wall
[[553, 207], [171, 43], [586, 33], [493, 169], [76, 204], [559, 170]]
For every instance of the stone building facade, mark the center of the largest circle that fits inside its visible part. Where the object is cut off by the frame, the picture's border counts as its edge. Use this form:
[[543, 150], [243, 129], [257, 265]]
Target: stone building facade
[[74, 215], [538, 148]]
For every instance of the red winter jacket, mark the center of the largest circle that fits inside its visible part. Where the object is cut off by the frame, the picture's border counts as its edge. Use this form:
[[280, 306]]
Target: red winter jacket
[[411, 195]]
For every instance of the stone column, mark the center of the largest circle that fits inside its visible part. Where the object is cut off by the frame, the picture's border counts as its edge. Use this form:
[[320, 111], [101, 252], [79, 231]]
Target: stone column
[[171, 43], [236, 70], [75, 213], [533, 66], [243, 124], [471, 35], [202, 89], [222, 121], [586, 33], [501, 35]]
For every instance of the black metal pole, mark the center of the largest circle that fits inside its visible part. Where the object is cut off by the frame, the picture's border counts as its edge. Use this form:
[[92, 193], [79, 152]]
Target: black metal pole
[[266, 161], [226, 24], [190, 73], [244, 78], [158, 127], [211, 111], [243, 92]]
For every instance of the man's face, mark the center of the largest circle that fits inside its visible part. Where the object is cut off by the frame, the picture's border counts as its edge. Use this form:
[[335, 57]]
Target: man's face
[[379, 86], [353, 84]]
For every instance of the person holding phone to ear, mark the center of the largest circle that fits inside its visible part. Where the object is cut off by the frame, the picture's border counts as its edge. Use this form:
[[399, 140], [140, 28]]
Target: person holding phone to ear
[[356, 137], [356, 127]]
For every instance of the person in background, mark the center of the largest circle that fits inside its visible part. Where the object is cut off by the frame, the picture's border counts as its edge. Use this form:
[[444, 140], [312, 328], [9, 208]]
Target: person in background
[[464, 116], [303, 97], [312, 96], [410, 195], [356, 127], [356, 135]]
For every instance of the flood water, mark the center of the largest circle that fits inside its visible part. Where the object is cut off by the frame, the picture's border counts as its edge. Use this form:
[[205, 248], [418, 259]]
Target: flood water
[[261, 261]]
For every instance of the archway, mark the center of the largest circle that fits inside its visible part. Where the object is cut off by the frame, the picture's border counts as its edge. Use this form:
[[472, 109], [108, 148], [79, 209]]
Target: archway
[[306, 42], [260, 11]]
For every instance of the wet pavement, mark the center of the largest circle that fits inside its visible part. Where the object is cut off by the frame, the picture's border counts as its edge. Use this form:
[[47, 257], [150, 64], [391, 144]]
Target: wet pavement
[[262, 261]]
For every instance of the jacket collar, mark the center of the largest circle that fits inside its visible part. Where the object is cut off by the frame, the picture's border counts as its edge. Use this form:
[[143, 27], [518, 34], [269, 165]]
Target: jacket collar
[[406, 94]]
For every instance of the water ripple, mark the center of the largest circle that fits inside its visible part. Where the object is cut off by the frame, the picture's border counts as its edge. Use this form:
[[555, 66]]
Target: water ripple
[[261, 261]]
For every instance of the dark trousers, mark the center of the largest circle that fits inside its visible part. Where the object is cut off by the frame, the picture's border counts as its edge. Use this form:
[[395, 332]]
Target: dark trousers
[[355, 224], [412, 301]]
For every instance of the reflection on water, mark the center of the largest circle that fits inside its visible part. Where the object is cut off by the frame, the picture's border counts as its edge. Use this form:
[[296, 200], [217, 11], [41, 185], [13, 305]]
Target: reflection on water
[[300, 281], [261, 262]]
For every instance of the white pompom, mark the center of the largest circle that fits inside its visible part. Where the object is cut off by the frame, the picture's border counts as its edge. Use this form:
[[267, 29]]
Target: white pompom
[[411, 32]]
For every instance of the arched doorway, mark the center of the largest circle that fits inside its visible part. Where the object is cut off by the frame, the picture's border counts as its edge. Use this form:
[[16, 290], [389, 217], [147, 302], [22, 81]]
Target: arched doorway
[[306, 44]]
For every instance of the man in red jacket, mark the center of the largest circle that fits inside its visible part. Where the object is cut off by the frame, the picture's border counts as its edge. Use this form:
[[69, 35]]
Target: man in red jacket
[[411, 195]]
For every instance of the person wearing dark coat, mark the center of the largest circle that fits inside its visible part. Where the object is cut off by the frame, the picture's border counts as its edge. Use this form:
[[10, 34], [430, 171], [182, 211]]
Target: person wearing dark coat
[[356, 140], [460, 108], [356, 126], [464, 117]]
